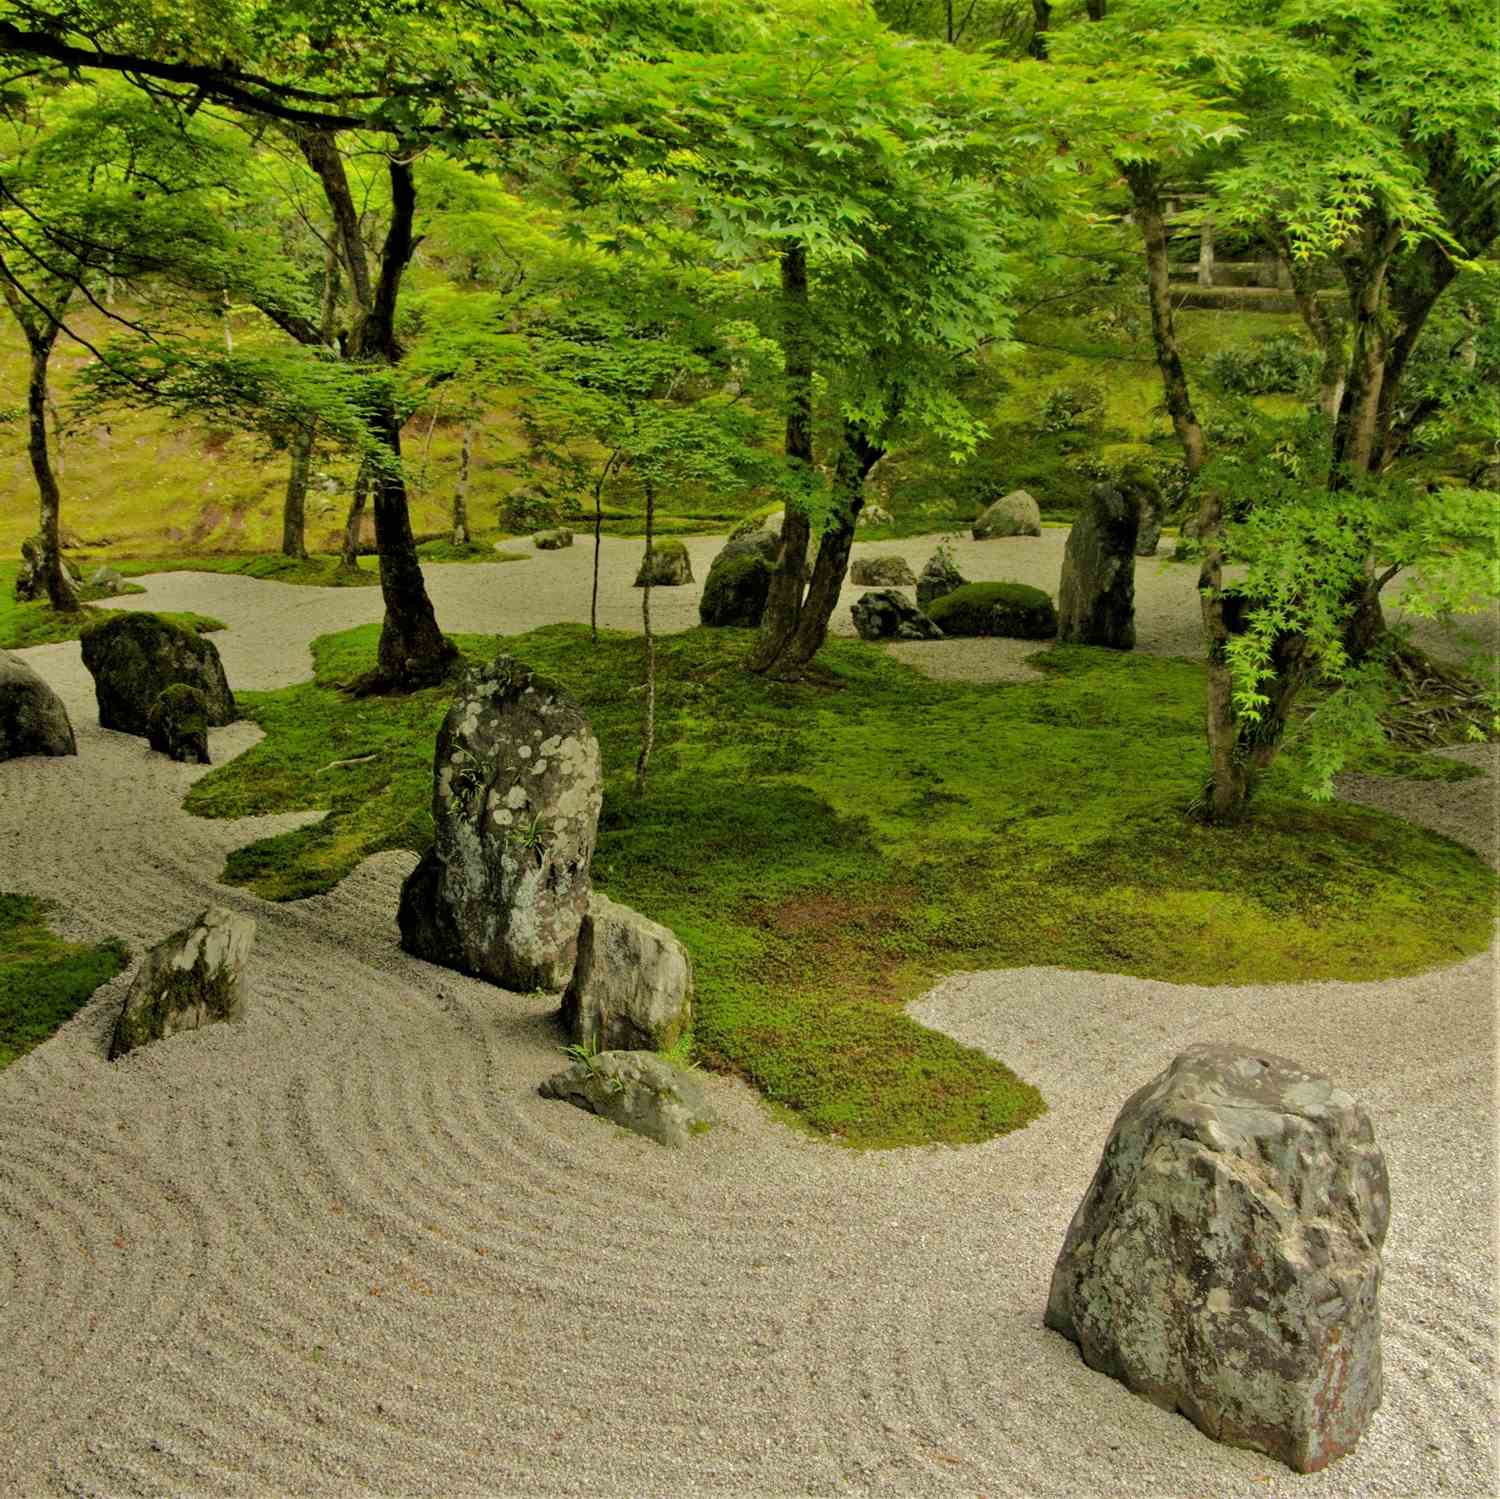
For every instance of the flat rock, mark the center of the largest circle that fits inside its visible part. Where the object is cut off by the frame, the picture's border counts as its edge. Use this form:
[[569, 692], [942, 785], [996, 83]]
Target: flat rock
[[637, 1090], [33, 720]]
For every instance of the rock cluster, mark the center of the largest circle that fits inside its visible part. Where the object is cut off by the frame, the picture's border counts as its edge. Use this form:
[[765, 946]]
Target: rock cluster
[[939, 577], [135, 657], [33, 720], [888, 615]]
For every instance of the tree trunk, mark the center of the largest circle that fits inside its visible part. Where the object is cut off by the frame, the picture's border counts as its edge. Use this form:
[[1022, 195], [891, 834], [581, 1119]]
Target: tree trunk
[[294, 508], [1041, 19], [353, 523], [1144, 191], [599, 483], [857, 456], [60, 591], [784, 601], [1358, 422], [648, 725], [461, 489]]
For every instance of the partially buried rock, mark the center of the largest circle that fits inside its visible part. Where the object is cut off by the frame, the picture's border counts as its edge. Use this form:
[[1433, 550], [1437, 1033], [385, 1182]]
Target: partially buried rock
[[177, 725], [632, 985], [194, 978], [668, 566], [939, 577], [107, 580], [888, 615], [1015, 514], [33, 720], [638, 1091], [135, 657], [554, 540], [1226, 1260], [874, 515], [1096, 596], [515, 807], [882, 572], [736, 588]]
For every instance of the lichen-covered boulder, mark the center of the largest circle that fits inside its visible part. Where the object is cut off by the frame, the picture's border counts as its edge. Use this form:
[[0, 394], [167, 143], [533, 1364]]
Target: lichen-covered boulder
[[736, 589], [1014, 514], [135, 657], [760, 520], [1015, 610], [516, 794], [939, 577], [888, 615], [554, 540], [881, 572], [871, 516], [632, 985], [638, 1091], [177, 725], [33, 720], [107, 580], [193, 978], [1226, 1259], [1096, 595], [668, 566]]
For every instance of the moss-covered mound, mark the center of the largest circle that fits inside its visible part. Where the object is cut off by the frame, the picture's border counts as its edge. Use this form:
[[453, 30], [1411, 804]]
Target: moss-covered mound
[[668, 566], [1012, 609], [134, 658], [735, 593]]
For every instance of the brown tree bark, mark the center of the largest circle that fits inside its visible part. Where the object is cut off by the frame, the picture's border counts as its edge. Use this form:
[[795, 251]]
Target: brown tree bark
[[353, 522], [648, 720], [461, 489], [1041, 24], [294, 506], [60, 591]]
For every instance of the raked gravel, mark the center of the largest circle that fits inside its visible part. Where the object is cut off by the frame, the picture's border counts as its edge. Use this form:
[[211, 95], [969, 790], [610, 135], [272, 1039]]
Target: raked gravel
[[345, 1249]]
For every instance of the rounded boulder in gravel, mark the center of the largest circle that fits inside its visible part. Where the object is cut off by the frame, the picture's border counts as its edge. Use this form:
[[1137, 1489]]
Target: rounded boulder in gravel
[[882, 572], [33, 720], [135, 657]]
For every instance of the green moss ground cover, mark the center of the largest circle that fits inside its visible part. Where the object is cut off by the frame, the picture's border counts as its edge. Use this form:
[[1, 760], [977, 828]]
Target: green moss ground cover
[[44, 980], [38, 623], [827, 849]]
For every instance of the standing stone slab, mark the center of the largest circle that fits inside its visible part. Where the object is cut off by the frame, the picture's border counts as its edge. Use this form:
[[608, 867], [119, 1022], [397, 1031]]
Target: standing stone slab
[[515, 804], [135, 657], [1096, 595], [637, 1090], [33, 720], [632, 987], [191, 979], [1226, 1259]]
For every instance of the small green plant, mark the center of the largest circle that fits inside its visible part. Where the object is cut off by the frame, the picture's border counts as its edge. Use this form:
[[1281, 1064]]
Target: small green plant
[[586, 1053], [533, 838], [1281, 364], [1071, 407]]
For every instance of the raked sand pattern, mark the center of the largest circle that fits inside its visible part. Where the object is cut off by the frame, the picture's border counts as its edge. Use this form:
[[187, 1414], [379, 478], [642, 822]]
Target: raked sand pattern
[[345, 1249]]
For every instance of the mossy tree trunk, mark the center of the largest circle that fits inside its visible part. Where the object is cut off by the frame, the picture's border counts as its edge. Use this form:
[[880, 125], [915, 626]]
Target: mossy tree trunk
[[294, 507], [461, 489], [648, 721], [354, 521]]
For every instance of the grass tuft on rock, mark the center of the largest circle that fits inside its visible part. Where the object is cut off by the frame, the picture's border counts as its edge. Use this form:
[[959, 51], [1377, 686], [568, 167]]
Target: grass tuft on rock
[[828, 849]]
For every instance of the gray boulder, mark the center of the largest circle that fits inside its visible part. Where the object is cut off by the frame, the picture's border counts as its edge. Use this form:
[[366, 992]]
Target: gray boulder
[[763, 544], [193, 978], [1226, 1259], [888, 615], [33, 720], [668, 566], [753, 524], [1015, 514], [553, 540], [632, 986], [638, 1091], [515, 806], [940, 576], [135, 657], [107, 580], [873, 515], [1096, 595], [882, 572]]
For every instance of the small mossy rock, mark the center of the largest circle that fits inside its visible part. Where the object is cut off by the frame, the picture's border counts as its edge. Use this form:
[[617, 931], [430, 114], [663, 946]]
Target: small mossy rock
[[529, 509], [939, 577], [553, 540], [765, 544], [33, 720], [135, 657], [767, 518], [107, 580], [632, 986], [1014, 514], [882, 572], [888, 615], [637, 1090], [735, 591], [1225, 1261], [668, 566], [193, 978], [517, 789], [1096, 595], [871, 516], [177, 725], [1010, 609]]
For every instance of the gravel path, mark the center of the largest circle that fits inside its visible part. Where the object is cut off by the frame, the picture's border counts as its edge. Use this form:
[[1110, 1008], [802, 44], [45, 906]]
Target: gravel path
[[345, 1249]]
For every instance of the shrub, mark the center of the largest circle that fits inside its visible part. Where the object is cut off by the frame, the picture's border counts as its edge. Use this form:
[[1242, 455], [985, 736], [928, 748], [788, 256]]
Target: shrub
[[1070, 407], [1281, 364], [1011, 609]]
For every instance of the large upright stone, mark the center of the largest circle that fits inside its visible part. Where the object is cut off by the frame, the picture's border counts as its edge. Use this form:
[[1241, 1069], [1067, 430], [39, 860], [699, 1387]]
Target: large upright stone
[[632, 987], [668, 566], [1226, 1259], [1014, 514], [33, 720], [135, 657], [191, 979], [1096, 595], [515, 807]]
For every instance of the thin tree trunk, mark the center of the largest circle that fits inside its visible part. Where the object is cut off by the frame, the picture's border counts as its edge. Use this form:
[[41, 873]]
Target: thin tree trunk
[[648, 726], [599, 482], [57, 436], [1041, 17], [1144, 191], [1358, 421], [353, 523], [461, 489], [784, 601], [294, 507], [60, 591]]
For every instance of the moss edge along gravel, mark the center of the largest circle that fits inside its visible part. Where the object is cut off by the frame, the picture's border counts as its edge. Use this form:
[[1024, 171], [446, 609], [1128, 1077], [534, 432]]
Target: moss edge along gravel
[[827, 849]]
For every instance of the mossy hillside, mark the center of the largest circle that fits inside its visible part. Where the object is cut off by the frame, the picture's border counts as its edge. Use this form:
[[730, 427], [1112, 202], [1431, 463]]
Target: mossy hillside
[[38, 623], [827, 849], [44, 980]]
